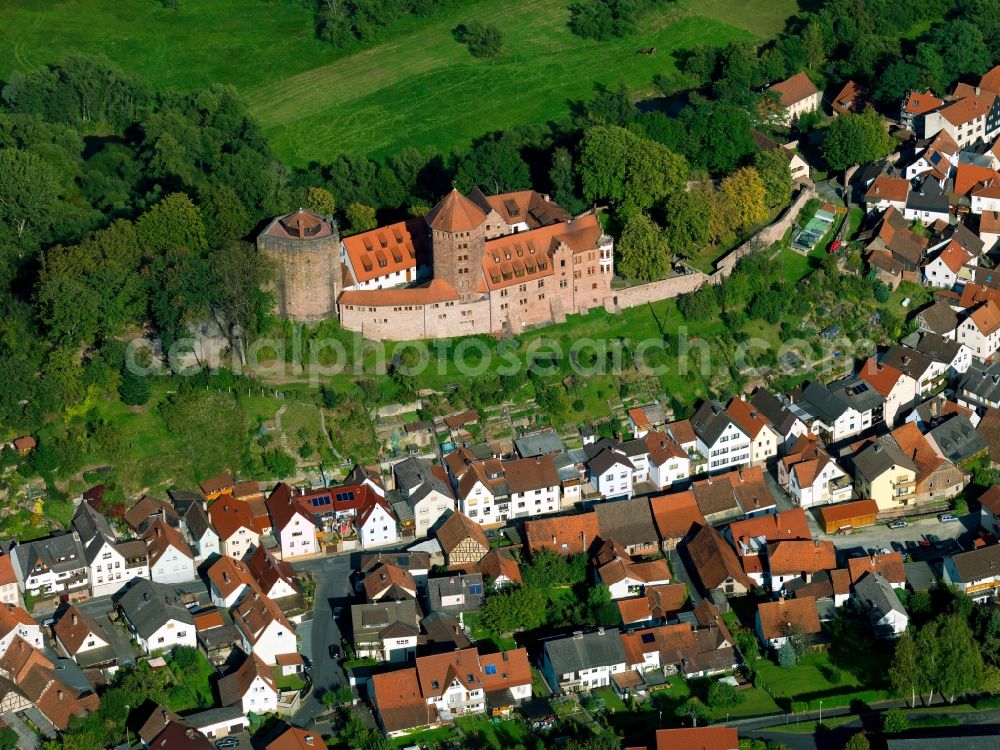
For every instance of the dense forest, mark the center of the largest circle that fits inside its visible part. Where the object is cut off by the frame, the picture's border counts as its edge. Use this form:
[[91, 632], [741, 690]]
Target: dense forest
[[128, 211]]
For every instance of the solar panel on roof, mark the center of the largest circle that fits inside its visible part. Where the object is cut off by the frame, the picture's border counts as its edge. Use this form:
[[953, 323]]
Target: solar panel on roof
[[490, 669], [475, 589], [344, 497], [648, 638], [402, 560]]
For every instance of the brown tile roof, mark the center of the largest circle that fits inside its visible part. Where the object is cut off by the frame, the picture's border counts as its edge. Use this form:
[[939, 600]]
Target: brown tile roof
[[228, 575], [968, 108], [644, 572], [662, 448], [675, 514], [888, 188], [657, 602], [954, 257], [156, 722], [457, 528], [789, 524], [282, 507], [841, 580], [918, 103], [833, 514], [793, 556], [848, 99], [235, 685], [991, 80], [462, 418], [914, 445], [177, 736], [880, 376], [672, 642], [628, 522], [74, 627], [294, 738], [682, 430], [25, 443], [512, 668], [743, 489], [698, 738], [714, 560], [436, 290], [145, 507], [208, 620], [890, 566], [567, 535], [267, 570], [455, 213], [56, 700], [526, 474], [437, 671], [255, 613], [228, 516], [986, 317], [7, 575], [968, 176], [160, 537], [991, 498], [989, 221], [975, 294], [399, 701], [385, 576], [389, 249], [20, 658], [789, 616], [747, 417], [499, 563], [794, 89], [219, 483]]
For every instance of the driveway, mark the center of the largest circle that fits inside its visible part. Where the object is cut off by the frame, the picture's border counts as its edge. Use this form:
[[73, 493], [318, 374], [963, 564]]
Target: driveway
[[880, 535], [333, 589]]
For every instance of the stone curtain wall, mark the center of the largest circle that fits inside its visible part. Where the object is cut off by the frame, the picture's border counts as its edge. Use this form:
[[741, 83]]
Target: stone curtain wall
[[655, 291]]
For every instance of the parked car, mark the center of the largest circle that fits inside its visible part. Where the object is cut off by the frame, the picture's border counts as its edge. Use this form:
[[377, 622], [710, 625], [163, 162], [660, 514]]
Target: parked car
[[947, 518], [899, 547], [337, 612], [884, 551], [334, 651], [898, 525], [227, 742], [48, 622]]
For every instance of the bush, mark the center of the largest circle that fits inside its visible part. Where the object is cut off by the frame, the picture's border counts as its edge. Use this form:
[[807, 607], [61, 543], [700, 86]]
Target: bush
[[724, 695], [894, 721], [279, 463], [787, 658], [133, 389], [483, 40]]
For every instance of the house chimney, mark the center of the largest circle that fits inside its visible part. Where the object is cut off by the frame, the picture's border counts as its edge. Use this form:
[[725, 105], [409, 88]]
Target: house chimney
[[309, 739], [74, 618], [59, 694]]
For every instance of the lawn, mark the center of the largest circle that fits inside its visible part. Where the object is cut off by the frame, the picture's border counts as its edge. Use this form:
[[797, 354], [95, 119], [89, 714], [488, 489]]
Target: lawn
[[503, 734], [192, 687], [418, 87]]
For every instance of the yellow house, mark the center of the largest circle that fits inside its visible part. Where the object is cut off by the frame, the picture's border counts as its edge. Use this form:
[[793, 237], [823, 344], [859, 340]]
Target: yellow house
[[884, 473]]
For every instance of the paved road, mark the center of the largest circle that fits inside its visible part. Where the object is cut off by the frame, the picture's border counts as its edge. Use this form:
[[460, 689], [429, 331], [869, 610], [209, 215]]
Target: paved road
[[881, 535], [333, 589]]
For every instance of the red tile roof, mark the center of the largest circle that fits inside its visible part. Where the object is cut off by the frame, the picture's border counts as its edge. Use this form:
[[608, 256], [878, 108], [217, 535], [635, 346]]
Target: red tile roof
[[455, 213], [889, 189], [918, 103], [789, 616], [792, 557], [675, 514], [567, 535], [160, 537], [794, 89], [229, 515], [386, 250], [789, 524], [890, 566], [436, 290], [698, 738], [880, 376]]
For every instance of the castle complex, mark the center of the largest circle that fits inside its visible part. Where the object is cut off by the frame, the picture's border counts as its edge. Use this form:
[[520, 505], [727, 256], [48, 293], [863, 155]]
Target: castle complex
[[472, 264]]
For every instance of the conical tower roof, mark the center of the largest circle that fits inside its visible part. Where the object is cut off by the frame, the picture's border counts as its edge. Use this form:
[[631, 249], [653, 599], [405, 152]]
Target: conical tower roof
[[455, 213]]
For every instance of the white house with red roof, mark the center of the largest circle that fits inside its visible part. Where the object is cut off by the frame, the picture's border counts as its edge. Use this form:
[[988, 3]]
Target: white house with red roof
[[898, 389], [265, 630], [945, 269], [15, 622], [234, 522], [764, 437], [796, 96], [980, 331], [668, 463], [293, 528], [375, 524]]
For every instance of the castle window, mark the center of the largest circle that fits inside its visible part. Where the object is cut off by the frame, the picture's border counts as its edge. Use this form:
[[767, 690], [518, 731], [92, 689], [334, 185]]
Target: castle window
[[562, 284], [522, 288], [503, 292], [541, 283], [541, 296], [562, 263]]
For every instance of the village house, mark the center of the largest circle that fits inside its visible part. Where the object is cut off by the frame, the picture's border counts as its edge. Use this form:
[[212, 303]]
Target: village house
[[945, 270], [80, 638], [214, 487], [793, 561], [275, 579], [957, 440], [796, 96], [416, 564], [883, 473], [975, 573], [9, 591], [54, 566], [155, 616], [264, 628], [752, 536], [199, 533], [980, 331], [810, 475], [888, 565], [630, 524], [16, 623], [654, 606], [777, 622], [676, 516], [643, 419], [456, 595], [294, 530], [625, 578], [170, 559], [990, 511], [980, 387], [936, 158], [462, 540], [567, 535], [609, 469], [786, 424], [251, 687], [720, 438], [426, 491], [388, 581], [375, 524], [228, 581], [500, 568], [949, 357], [886, 192], [763, 436], [669, 464], [898, 390], [928, 203], [827, 414], [743, 493], [937, 478], [234, 522], [386, 631], [583, 661], [715, 564]]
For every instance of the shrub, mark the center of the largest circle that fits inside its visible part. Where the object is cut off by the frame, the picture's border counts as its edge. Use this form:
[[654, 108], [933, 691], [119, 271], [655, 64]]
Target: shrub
[[724, 695], [787, 657], [483, 40], [894, 721]]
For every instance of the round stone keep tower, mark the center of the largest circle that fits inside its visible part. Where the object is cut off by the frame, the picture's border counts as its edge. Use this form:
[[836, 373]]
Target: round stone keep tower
[[305, 249], [458, 237]]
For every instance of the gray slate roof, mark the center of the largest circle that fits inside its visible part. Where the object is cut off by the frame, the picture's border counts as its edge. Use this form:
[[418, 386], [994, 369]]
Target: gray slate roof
[[470, 585], [628, 522], [935, 347], [415, 480], [957, 439], [921, 575], [607, 459], [908, 361], [369, 620], [878, 595], [769, 405], [710, 421], [585, 651], [983, 381], [876, 459], [929, 197], [857, 393], [539, 444], [61, 554], [820, 402], [148, 606], [88, 522]]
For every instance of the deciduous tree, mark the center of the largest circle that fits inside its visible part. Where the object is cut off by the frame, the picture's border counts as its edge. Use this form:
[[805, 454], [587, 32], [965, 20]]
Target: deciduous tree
[[744, 192], [644, 253], [856, 139]]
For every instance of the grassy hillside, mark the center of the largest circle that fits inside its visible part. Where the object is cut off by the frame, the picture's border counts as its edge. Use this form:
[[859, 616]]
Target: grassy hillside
[[419, 87]]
